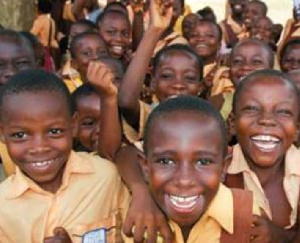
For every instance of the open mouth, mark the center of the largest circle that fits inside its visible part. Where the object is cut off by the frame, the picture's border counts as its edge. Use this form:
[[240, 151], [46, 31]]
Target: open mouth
[[118, 50], [265, 143], [184, 204]]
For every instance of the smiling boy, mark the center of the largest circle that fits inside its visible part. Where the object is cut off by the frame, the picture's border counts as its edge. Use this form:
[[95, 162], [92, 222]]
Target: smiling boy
[[58, 192]]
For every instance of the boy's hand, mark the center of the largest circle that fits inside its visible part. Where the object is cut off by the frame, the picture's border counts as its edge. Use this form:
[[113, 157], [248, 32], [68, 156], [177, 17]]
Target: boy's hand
[[101, 78], [144, 218], [161, 12], [60, 236], [264, 231]]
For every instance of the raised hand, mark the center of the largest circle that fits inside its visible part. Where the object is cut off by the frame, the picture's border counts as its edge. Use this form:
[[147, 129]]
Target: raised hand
[[102, 78], [161, 12]]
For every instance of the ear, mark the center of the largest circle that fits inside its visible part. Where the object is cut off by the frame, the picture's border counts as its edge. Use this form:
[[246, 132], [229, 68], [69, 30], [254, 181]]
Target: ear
[[226, 162], [144, 165], [74, 124]]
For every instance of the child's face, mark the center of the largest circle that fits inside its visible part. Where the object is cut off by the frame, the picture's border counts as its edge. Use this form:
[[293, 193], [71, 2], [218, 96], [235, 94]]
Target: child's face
[[117, 70], [205, 40], [177, 73], [247, 58], [263, 30], [115, 30], [253, 12], [238, 6], [291, 59], [38, 138], [88, 116], [188, 24], [266, 121], [184, 165], [90, 48], [14, 57]]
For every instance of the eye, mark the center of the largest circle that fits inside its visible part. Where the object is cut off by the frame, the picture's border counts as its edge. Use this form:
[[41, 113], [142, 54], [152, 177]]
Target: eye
[[102, 52], [257, 62], [111, 32], [88, 123], [19, 136], [237, 62], [166, 75], [86, 53], [204, 161], [190, 78], [125, 34], [55, 131], [250, 108], [284, 112], [165, 161]]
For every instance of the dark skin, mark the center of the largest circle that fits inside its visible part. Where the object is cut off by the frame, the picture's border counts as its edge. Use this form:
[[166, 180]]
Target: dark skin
[[272, 114], [60, 235], [238, 8]]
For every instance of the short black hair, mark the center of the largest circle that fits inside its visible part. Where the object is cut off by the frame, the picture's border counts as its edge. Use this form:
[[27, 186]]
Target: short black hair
[[82, 92], [109, 60], [89, 24], [286, 47], [79, 37], [262, 73], [104, 14], [177, 47], [263, 6], [44, 6], [185, 103], [17, 38], [207, 13], [115, 4], [257, 42], [35, 81]]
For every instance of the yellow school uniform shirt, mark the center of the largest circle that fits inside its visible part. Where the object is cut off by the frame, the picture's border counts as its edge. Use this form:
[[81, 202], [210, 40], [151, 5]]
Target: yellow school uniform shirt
[[221, 83], [178, 25], [171, 39], [219, 216], [130, 133], [71, 77], [91, 196], [236, 28], [291, 182]]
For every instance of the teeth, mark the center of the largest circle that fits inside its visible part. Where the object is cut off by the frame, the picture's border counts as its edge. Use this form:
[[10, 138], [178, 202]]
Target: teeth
[[42, 163], [184, 202], [265, 142], [117, 49], [265, 138], [201, 45]]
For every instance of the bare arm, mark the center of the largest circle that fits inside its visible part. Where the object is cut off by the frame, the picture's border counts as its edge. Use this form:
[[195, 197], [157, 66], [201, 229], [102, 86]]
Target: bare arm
[[101, 77], [134, 77], [143, 213]]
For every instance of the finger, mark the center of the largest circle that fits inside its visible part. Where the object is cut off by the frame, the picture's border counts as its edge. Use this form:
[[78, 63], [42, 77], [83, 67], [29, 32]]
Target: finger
[[48, 240], [127, 227], [152, 234], [166, 232], [139, 233]]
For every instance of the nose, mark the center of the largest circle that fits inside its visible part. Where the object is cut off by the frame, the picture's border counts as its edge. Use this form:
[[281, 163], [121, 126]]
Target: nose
[[9, 71], [39, 145], [184, 178], [179, 86], [266, 119]]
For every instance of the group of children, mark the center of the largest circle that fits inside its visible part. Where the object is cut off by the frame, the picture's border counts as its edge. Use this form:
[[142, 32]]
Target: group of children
[[209, 154]]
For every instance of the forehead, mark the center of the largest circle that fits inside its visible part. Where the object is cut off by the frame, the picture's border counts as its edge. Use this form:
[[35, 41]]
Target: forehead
[[292, 47], [115, 18], [88, 101], [185, 129], [271, 85], [207, 25], [176, 57], [50, 103], [251, 47], [90, 40], [11, 47], [254, 6]]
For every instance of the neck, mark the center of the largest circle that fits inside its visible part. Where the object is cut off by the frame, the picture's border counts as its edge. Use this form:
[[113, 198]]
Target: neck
[[210, 59], [185, 230], [268, 174]]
